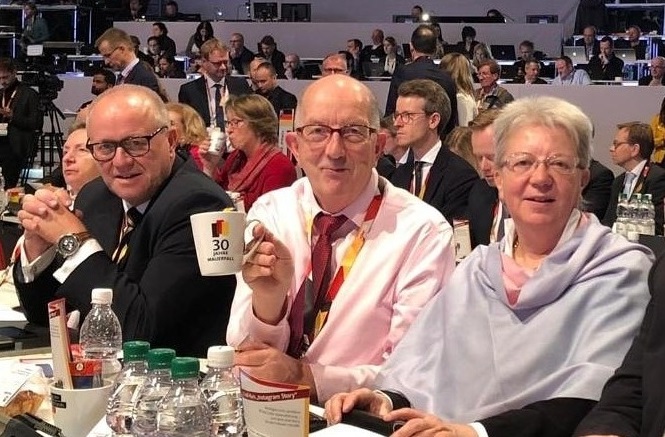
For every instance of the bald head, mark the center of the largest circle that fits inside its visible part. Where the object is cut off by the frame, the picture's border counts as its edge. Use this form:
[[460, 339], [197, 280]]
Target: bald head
[[134, 97], [346, 91]]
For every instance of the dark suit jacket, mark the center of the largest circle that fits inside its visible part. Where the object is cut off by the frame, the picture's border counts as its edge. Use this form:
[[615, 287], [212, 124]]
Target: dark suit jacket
[[399, 60], [142, 74], [480, 211], [26, 121], [241, 63], [580, 43], [386, 166], [633, 400], [368, 52], [448, 183], [277, 60], [646, 80], [159, 294], [653, 183], [424, 68], [280, 99], [194, 94], [597, 193], [613, 69]]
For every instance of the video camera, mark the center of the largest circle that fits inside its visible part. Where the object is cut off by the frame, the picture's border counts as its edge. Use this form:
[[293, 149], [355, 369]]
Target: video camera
[[41, 74]]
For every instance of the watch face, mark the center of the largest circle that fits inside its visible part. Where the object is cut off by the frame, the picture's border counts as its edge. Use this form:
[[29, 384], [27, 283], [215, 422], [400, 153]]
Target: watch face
[[68, 245]]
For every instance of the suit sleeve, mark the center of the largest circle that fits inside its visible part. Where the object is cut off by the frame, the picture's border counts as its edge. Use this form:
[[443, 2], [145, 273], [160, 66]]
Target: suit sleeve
[[597, 193], [611, 212], [657, 190], [556, 417], [395, 82], [459, 184], [34, 296], [27, 116]]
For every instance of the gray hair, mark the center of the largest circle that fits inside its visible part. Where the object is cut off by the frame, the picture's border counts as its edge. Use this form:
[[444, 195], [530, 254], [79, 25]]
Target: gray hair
[[549, 112]]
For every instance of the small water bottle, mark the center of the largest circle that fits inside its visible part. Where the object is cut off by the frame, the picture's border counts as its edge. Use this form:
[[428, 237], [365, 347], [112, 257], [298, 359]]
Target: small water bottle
[[222, 390], [153, 391], [3, 193], [101, 335], [120, 408], [184, 412]]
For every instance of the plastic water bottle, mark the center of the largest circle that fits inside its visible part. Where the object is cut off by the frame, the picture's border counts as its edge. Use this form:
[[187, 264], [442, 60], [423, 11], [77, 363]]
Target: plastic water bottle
[[184, 412], [3, 193], [120, 409], [622, 215], [632, 231], [153, 391], [101, 335], [650, 225], [222, 390]]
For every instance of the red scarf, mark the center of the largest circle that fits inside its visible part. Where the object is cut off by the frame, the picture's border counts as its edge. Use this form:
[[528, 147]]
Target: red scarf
[[243, 172]]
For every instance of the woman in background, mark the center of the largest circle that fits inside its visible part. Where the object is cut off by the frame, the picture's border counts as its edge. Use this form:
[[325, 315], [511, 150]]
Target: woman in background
[[459, 142], [481, 53], [190, 130], [459, 68], [392, 59], [658, 128], [256, 166], [468, 43], [203, 33]]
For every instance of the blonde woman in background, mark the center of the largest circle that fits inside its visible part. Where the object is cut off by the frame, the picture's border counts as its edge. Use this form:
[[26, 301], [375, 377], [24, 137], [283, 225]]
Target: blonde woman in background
[[481, 53], [190, 130], [459, 68], [459, 142], [658, 128]]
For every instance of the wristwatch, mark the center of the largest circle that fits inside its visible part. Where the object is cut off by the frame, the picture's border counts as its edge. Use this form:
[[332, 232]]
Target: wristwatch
[[68, 244]]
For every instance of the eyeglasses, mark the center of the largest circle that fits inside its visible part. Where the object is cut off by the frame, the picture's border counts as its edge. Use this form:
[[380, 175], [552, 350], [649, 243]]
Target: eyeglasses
[[407, 117], [522, 163], [218, 63], [321, 134], [133, 146], [334, 70], [234, 123], [108, 55], [617, 144]]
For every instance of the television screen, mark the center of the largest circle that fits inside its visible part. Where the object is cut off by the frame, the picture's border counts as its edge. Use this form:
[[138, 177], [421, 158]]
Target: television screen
[[296, 12], [265, 11]]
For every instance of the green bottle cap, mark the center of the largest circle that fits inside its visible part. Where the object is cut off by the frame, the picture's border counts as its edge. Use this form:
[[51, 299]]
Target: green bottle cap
[[160, 358], [184, 367], [135, 350]]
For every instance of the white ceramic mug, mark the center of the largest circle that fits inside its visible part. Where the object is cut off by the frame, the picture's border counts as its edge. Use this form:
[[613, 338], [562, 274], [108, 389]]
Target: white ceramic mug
[[219, 237], [77, 411]]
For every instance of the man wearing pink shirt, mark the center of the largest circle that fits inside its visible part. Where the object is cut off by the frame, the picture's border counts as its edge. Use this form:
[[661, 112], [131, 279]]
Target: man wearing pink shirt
[[336, 339]]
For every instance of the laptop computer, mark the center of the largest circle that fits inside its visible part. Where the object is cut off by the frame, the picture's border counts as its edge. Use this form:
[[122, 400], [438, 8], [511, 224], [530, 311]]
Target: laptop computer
[[626, 55], [576, 54], [451, 48], [502, 52], [373, 69]]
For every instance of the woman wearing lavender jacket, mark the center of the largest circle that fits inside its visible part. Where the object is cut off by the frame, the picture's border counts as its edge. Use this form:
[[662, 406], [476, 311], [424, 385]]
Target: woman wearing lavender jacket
[[528, 329]]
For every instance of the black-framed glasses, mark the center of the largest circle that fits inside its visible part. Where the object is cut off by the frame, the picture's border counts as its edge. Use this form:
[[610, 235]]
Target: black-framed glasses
[[522, 163], [320, 134], [617, 144], [108, 55], [133, 146]]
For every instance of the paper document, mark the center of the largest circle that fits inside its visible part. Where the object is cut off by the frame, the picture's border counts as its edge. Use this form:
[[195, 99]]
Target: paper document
[[274, 409]]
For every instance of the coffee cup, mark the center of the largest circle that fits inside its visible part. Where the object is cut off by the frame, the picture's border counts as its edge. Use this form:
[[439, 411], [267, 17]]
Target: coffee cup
[[217, 141], [219, 238], [77, 411]]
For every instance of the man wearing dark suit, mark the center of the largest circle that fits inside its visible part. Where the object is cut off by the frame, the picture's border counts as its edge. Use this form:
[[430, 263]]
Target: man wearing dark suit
[[159, 293], [374, 50], [423, 47], [265, 83], [293, 69], [633, 400], [531, 70], [202, 94], [605, 66], [160, 31], [589, 42], [432, 172], [271, 54], [657, 76], [597, 192], [240, 55], [633, 41], [631, 150], [20, 120], [117, 49], [485, 212]]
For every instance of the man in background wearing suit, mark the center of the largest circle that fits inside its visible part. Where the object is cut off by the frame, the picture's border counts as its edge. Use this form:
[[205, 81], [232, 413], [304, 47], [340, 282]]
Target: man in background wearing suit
[[633, 400], [597, 192], [209, 93], [631, 150], [265, 83], [605, 66], [657, 76], [134, 235], [20, 119], [485, 212], [431, 172], [423, 47], [117, 49], [589, 41]]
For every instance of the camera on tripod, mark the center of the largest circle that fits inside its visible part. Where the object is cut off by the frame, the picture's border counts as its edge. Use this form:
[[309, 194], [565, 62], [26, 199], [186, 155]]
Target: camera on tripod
[[41, 72]]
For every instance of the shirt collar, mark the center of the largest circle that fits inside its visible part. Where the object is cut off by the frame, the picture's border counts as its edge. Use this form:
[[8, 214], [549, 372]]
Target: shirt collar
[[637, 170], [356, 210], [431, 154], [211, 83], [129, 67], [140, 208]]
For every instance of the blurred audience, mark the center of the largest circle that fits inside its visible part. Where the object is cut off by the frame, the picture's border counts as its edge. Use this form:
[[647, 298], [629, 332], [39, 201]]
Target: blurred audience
[[459, 68], [293, 69], [271, 54], [165, 42], [658, 128], [459, 142], [391, 58], [169, 68], [203, 33], [240, 55]]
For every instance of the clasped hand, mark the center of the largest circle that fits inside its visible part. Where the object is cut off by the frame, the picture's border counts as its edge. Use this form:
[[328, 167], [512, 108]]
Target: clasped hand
[[46, 217]]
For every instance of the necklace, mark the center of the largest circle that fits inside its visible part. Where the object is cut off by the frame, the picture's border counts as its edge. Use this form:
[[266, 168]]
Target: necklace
[[516, 244]]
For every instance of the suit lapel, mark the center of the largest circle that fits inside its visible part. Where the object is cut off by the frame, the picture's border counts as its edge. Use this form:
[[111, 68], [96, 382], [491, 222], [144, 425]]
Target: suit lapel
[[201, 87], [436, 174], [642, 186], [402, 176]]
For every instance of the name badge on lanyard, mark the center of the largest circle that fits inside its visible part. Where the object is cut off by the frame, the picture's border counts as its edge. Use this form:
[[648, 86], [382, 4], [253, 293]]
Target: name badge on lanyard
[[3, 129]]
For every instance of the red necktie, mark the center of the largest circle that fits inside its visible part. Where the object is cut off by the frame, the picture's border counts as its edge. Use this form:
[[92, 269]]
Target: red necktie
[[301, 319]]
